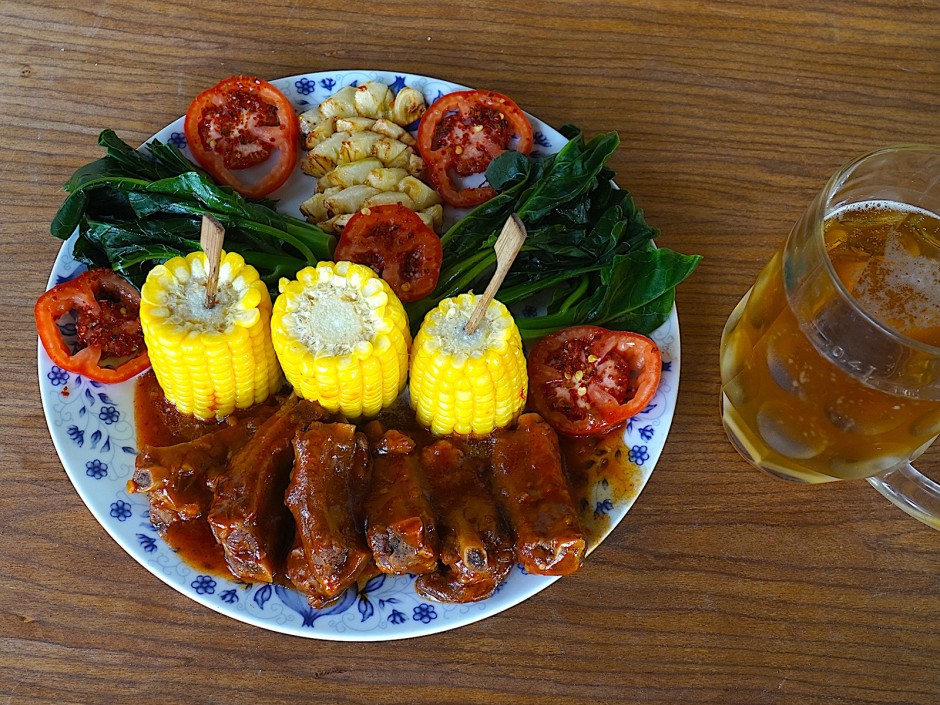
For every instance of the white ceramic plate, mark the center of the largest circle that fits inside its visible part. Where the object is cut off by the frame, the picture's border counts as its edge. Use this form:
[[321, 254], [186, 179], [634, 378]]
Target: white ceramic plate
[[92, 427]]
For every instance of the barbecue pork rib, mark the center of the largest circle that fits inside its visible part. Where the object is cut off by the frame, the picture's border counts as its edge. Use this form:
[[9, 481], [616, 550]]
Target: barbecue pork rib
[[476, 548], [247, 515], [176, 478], [327, 485], [528, 480], [400, 525]]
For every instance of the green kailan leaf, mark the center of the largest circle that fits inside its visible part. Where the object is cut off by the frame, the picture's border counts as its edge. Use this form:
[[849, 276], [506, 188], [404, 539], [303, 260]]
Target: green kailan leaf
[[573, 173], [508, 169], [588, 257], [647, 317], [69, 215], [136, 208], [634, 280]]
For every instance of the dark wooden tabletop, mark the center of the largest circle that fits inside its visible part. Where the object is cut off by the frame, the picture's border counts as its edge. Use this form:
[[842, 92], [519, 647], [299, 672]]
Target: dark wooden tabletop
[[721, 585]]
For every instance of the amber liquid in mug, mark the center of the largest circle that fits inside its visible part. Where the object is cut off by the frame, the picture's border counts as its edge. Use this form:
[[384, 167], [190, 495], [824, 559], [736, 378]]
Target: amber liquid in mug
[[795, 412]]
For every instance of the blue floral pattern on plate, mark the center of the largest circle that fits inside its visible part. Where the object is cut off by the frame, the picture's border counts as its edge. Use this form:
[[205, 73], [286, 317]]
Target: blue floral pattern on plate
[[93, 431]]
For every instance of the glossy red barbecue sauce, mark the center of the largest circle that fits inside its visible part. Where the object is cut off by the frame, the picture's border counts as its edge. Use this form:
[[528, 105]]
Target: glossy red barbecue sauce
[[597, 468], [160, 424]]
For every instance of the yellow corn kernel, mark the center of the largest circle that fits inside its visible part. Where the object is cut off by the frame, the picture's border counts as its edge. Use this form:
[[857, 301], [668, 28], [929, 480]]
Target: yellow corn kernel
[[342, 337], [467, 384], [209, 361]]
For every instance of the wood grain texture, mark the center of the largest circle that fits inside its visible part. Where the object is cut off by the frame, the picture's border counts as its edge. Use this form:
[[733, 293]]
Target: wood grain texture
[[721, 586]]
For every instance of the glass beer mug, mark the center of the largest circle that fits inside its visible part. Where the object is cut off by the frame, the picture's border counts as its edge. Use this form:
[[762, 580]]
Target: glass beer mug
[[830, 364]]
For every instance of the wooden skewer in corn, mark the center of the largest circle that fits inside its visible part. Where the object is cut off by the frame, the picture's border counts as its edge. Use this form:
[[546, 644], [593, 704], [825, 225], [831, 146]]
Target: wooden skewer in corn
[[507, 246], [211, 236]]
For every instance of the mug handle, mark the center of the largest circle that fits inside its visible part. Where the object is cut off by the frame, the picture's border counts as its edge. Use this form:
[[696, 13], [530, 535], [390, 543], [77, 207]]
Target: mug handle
[[912, 491]]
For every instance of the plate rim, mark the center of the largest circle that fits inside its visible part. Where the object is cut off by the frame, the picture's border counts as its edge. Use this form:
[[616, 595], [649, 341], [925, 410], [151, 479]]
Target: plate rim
[[82, 488]]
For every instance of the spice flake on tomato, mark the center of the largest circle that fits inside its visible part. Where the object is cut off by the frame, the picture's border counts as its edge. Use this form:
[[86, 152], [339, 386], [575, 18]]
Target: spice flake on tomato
[[105, 308], [461, 133], [243, 123], [586, 380], [395, 243]]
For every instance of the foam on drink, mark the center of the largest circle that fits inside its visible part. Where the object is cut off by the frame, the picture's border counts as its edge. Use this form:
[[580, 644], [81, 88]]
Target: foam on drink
[[899, 280], [792, 408]]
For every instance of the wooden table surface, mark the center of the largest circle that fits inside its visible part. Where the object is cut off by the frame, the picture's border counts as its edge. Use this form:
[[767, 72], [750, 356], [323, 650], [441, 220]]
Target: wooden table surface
[[721, 585]]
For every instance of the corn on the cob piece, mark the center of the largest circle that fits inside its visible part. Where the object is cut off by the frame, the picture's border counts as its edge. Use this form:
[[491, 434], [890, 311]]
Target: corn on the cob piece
[[342, 337], [467, 384], [209, 361]]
